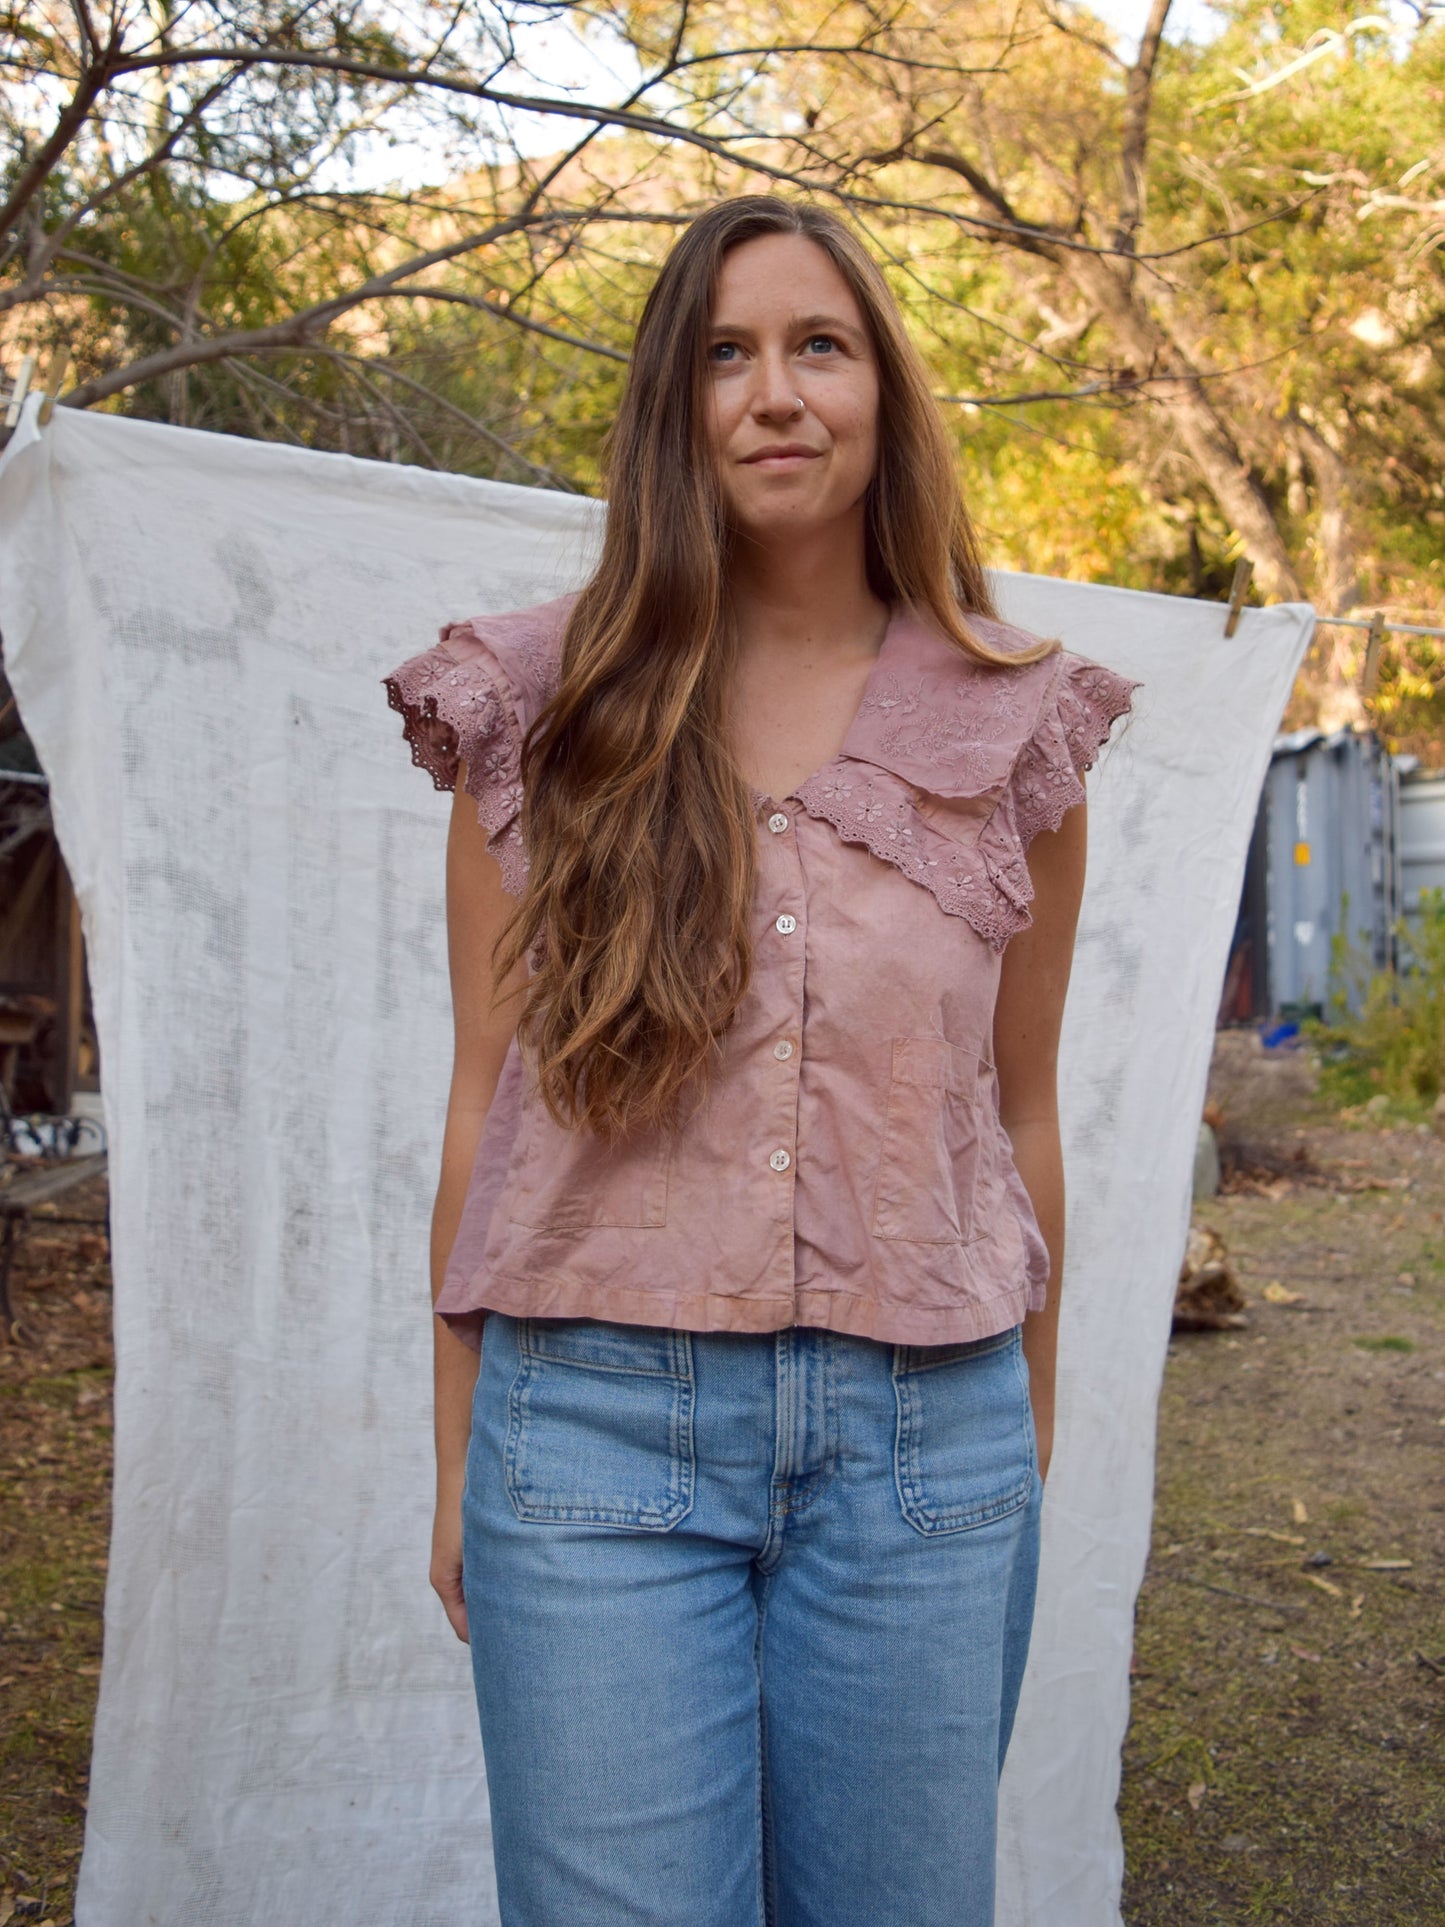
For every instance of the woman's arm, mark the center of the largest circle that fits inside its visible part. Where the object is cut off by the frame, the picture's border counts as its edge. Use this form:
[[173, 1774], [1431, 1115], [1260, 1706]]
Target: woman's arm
[[477, 907], [1027, 1020]]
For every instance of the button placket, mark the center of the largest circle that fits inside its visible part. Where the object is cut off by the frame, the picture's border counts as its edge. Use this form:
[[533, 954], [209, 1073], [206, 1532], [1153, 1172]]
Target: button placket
[[783, 877]]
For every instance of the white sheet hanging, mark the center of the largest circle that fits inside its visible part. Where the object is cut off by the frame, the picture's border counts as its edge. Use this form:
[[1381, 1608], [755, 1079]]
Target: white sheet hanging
[[194, 627]]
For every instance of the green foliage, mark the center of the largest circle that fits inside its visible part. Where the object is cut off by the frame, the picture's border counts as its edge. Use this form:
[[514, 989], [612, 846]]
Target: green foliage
[[1384, 1037]]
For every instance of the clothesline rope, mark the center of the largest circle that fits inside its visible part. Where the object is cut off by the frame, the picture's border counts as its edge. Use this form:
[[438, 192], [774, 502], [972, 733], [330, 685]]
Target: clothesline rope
[[1368, 622]]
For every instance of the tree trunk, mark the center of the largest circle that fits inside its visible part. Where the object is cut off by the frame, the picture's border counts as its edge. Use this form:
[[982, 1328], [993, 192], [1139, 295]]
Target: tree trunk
[[1201, 428]]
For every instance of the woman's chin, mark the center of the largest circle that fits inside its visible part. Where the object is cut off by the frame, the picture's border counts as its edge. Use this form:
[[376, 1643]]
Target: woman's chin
[[766, 524]]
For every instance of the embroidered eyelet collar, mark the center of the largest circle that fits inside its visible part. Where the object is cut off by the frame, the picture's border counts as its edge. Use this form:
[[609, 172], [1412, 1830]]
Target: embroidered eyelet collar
[[948, 769], [938, 719]]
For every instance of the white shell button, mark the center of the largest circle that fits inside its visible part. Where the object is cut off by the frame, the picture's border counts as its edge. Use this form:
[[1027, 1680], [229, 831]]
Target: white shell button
[[783, 1050], [780, 1160], [786, 925], [777, 823]]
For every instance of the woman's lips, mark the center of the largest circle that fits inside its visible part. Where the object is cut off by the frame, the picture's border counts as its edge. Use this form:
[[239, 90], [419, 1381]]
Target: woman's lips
[[785, 456]]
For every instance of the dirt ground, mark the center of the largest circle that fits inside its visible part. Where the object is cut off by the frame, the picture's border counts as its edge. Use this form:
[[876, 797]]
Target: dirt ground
[[1284, 1761], [55, 1462]]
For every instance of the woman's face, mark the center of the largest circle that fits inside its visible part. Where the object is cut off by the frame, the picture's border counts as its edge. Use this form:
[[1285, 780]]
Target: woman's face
[[794, 386]]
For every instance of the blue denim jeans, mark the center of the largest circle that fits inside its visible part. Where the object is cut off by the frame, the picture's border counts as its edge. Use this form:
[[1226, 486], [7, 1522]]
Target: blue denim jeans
[[748, 1617]]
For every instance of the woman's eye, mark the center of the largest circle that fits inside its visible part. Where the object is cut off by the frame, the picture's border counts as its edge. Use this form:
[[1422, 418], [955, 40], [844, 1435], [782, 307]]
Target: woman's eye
[[825, 342], [724, 350]]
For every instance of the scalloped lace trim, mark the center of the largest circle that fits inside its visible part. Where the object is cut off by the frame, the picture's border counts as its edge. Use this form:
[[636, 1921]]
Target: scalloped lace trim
[[1048, 780], [981, 882], [985, 880], [453, 712]]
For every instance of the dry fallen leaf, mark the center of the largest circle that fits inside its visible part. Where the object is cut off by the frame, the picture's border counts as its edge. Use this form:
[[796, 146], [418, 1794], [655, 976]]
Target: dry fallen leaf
[[1357, 1605], [1277, 1294], [1280, 1538], [1195, 1795], [1301, 1517], [1386, 1565], [1325, 1585], [1300, 1653]]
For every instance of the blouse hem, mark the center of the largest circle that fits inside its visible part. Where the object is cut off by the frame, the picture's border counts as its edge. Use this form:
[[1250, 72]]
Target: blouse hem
[[842, 1312]]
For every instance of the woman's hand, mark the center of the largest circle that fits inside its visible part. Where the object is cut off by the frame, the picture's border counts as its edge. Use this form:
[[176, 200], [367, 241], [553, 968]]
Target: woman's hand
[[446, 1562], [1044, 1433]]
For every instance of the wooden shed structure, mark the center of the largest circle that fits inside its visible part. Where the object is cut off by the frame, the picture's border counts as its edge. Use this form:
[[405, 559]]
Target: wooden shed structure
[[47, 1037]]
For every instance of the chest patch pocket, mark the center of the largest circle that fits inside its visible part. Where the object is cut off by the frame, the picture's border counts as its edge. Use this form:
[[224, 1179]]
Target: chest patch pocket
[[565, 1180], [928, 1161]]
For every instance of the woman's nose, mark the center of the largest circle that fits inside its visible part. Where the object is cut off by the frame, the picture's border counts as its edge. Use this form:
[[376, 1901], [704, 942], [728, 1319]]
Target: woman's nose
[[775, 392]]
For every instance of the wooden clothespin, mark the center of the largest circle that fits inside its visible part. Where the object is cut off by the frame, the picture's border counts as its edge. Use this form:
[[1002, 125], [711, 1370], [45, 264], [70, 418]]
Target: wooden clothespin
[[1238, 590], [19, 389], [1370, 674], [50, 382]]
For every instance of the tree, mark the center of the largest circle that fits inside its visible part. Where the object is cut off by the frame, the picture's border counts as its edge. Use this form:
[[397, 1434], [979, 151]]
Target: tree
[[1184, 298], [1227, 240]]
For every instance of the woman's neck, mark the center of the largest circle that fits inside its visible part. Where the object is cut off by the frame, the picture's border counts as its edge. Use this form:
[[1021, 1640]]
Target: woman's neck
[[805, 591]]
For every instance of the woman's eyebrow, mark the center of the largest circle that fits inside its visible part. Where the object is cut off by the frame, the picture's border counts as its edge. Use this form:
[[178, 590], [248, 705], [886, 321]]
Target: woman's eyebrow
[[820, 321], [795, 325]]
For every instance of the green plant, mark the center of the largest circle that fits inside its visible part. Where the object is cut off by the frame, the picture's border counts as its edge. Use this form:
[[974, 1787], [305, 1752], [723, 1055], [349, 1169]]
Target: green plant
[[1384, 1035]]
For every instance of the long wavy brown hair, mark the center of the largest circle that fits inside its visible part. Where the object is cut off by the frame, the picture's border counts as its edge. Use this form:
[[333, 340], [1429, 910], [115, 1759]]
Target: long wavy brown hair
[[637, 820]]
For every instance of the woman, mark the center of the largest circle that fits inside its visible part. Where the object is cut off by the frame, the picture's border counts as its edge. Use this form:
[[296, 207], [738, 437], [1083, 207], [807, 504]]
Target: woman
[[774, 839]]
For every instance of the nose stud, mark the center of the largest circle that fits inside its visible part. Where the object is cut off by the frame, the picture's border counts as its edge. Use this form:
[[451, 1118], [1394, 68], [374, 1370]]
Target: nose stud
[[800, 404]]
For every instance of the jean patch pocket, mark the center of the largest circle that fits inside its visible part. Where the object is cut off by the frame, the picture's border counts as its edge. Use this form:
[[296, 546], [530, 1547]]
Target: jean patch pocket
[[600, 1424], [965, 1453]]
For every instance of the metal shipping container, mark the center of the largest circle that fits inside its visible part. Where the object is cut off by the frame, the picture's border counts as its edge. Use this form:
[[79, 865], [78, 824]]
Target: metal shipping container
[[1422, 833], [1328, 839]]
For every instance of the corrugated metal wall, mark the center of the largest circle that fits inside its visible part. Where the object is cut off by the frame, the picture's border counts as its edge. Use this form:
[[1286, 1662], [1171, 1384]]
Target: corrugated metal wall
[[1422, 837], [1328, 844]]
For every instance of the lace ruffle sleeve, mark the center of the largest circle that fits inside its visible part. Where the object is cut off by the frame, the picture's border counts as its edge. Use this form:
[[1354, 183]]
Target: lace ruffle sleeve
[[1048, 778], [457, 706]]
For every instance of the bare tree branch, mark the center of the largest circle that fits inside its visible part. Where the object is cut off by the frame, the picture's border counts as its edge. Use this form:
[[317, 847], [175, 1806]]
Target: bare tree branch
[[39, 262], [1137, 103], [301, 330], [514, 318], [546, 475], [71, 119]]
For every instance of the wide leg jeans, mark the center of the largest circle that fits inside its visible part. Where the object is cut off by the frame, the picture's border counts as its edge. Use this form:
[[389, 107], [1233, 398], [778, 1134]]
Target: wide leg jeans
[[748, 1616]]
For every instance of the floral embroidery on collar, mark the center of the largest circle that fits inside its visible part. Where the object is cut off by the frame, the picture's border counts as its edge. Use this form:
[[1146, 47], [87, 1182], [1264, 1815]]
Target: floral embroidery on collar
[[934, 723]]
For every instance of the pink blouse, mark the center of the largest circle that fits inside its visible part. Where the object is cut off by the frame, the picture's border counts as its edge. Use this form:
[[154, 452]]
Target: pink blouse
[[849, 1168]]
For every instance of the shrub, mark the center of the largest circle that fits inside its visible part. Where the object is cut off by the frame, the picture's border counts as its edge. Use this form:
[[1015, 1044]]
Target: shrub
[[1392, 1043]]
